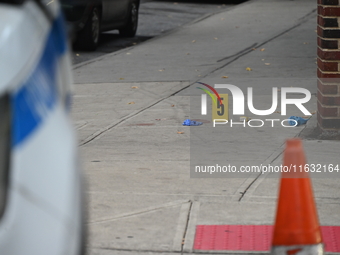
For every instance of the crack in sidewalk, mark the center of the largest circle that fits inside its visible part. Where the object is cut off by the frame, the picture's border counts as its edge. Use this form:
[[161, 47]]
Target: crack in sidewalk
[[240, 54], [135, 250], [247, 50], [128, 117], [147, 210], [263, 175], [186, 227]]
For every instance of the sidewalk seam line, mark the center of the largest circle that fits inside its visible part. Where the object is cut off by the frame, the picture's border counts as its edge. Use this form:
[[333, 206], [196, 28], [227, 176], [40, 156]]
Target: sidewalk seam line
[[203, 17], [109, 127], [147, 210], [302, 21], [271, 161], [132, 250], [186, 227]]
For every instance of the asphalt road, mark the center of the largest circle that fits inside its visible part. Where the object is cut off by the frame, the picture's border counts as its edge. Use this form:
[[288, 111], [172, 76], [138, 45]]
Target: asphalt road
[[155, 18]]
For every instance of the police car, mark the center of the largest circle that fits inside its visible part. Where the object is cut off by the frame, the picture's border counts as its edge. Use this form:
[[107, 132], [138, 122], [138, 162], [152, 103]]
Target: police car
[[40, 182]]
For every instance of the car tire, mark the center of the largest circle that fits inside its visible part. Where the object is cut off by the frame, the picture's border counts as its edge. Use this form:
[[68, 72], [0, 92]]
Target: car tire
[[130, 29], [88, 37]]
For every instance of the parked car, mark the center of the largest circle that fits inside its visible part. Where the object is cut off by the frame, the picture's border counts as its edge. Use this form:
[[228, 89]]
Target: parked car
[[91, 17], [41, 205]]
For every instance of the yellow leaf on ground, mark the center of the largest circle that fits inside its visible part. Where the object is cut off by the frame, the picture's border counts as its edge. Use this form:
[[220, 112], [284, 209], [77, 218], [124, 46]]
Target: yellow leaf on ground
[[134, 87], [179, 132], [131, 103], [263, 49], [249, 69], [121, 78]]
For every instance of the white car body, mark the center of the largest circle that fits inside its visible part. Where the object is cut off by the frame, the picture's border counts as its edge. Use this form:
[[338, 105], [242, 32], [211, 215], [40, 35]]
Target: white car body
[[43, 196]]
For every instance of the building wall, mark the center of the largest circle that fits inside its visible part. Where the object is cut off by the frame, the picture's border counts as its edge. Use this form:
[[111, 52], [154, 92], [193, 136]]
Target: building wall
[[329, 65]]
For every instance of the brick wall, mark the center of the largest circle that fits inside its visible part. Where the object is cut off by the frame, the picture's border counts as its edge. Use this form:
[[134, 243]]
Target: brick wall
[[329, 64]]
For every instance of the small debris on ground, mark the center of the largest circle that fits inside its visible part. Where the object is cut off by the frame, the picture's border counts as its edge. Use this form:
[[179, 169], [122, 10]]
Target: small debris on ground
[[297, 121], [189, 122], [242, 118]]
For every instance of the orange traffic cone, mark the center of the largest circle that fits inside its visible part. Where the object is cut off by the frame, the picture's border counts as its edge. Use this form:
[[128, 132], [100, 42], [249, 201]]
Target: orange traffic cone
[[297, 229]]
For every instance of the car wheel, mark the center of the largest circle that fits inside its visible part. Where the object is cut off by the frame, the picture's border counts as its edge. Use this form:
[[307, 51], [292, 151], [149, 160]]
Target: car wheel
[[129, 30], [88, 37]]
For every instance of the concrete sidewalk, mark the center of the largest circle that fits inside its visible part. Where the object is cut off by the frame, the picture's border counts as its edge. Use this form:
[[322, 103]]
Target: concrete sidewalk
[[129, 107]]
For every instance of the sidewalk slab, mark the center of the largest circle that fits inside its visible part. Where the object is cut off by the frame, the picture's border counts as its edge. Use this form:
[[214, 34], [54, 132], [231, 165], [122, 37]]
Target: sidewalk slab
[[136, 153], [195, 49], [132, 232], [99, 107]]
